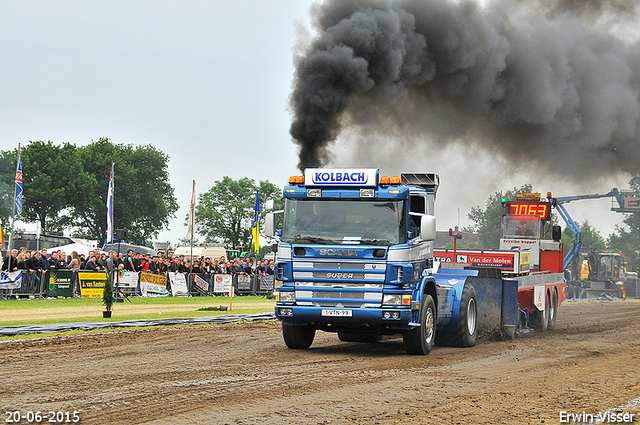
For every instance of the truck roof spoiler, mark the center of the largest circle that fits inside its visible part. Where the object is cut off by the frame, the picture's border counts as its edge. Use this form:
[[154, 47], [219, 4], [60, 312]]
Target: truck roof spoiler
[[425, 180]]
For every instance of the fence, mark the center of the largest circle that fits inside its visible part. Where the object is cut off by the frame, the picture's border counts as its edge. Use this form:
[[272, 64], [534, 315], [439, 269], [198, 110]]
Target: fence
[[69, 283]]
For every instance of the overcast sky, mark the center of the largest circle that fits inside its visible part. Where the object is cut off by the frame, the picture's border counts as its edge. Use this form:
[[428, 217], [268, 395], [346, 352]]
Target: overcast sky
[[206, 82]]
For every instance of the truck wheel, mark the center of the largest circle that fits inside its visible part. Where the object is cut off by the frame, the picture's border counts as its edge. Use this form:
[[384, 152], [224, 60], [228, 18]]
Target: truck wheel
[[298, 337], [420, 340], [467, 318], [347, 337], [467, 331], [540, 319], [553, 311]]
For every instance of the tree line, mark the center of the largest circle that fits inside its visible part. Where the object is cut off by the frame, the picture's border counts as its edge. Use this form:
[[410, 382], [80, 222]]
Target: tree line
[[65, 190]]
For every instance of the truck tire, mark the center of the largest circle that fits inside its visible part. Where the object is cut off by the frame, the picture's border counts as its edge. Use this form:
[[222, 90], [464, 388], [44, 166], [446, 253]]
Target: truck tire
[[420, 340], [540, 319], [298, 337], [348, 337], [467, 331], [553, 310]]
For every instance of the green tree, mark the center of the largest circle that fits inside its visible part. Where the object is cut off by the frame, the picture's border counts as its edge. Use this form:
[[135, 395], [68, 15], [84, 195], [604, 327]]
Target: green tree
[[52, 177], [591, 238], [487, 221], [225, 212], [7, 186], [143, 199]]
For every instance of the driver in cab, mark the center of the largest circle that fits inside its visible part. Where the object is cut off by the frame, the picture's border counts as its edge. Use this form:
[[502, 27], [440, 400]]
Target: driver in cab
[[523, 230]]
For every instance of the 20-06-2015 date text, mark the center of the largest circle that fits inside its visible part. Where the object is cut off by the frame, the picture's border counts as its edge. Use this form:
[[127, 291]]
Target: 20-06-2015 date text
[[50, 416]]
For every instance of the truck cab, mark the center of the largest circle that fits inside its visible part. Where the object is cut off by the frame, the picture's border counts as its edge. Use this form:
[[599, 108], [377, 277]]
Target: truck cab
[[355, 257]]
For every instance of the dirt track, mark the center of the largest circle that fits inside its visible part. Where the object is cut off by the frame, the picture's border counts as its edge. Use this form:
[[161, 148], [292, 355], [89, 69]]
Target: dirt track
[[243, 374]]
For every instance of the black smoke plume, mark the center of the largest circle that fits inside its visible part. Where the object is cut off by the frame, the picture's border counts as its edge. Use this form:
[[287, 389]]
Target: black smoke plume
[[554, 83]]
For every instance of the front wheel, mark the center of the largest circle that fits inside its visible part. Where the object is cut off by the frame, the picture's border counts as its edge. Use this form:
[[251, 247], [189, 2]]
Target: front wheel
[[420, 340], [298, 337]]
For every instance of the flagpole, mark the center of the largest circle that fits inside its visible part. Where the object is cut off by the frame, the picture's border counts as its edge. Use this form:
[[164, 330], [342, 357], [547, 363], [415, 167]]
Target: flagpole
[[15, 196]]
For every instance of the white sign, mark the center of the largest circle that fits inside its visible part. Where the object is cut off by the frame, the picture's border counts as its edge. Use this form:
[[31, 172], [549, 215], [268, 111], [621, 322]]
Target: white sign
[[128, 280], [178, 285], [222, 283], [361, 177]]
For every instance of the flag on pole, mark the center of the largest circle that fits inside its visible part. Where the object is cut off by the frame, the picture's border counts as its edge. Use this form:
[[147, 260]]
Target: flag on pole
[[192, 212], [110, 208], [19, 185], [255, 226]]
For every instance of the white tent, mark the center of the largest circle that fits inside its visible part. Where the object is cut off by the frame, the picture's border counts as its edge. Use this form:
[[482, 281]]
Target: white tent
[[77, 247]]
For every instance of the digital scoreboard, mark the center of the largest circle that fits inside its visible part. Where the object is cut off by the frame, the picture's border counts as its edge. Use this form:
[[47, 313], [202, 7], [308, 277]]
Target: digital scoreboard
[[541, 209]]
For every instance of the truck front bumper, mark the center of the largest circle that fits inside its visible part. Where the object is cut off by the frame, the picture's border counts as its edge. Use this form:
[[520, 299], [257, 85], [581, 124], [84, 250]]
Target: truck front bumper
[[384, 316]]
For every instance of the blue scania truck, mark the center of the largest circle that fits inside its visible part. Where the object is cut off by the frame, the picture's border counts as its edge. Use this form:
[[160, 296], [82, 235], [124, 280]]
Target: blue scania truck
[[355, 257]]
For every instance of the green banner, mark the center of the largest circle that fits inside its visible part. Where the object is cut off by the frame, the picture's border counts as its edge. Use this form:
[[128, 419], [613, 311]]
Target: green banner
[[60, 283]]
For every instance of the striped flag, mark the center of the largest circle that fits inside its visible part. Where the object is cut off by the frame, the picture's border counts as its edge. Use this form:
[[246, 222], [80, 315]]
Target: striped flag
[[110, 208], [192, 217], [19, 185], [255, 226]]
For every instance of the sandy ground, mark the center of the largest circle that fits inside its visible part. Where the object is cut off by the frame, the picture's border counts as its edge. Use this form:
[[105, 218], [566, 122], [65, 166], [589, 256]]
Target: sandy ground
[[244, 374]]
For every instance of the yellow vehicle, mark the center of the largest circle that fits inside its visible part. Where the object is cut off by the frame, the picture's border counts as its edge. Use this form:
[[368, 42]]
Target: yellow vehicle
[[604, 273]]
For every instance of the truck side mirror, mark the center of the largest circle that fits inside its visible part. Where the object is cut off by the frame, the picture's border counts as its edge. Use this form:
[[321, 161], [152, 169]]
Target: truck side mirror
[[428, 227], [268, 206], [270, 224]]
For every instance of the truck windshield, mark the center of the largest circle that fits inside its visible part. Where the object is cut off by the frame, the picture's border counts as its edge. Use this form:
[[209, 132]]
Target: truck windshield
[[345, 221]]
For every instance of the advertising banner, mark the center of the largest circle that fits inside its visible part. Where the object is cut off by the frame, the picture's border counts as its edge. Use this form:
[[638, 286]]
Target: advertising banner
[[128, 280], [60, 283], [153, 285], [222, 283], [506, 261], [200, 284], [178, 284], [244, 282], [11, 280], [266, 282], [91, 284]]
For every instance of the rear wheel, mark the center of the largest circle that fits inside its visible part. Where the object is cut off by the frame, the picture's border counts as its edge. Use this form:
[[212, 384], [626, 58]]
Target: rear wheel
[[298, 337], [467, 331], [553, 310], [540, 319], [420, 340]]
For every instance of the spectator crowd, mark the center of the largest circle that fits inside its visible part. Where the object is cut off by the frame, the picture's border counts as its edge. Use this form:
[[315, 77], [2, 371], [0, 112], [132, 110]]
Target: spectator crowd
[[41, 261]]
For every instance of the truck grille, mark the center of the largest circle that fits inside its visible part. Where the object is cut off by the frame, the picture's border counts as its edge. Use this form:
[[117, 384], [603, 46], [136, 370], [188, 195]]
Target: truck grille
[[342, 305], [338, 294], [338, 265]]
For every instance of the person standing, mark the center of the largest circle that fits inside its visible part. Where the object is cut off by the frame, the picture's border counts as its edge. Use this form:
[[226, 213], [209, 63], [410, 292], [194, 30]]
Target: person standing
[[74, 264], [10, 264], [44, 262]]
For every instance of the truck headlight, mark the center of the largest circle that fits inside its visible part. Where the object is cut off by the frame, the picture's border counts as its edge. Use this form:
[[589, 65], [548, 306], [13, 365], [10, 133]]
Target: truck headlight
[[286, 296], [396, 299], [392, 299]]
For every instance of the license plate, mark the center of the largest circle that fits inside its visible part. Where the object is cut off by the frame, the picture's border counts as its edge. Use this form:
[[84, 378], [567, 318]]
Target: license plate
[[341, 313]]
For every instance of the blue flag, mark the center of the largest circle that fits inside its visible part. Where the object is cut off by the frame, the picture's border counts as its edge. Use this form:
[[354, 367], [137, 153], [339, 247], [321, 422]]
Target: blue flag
[[19, 186]]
